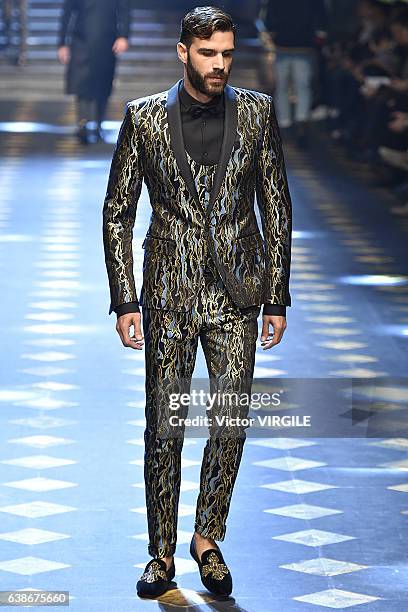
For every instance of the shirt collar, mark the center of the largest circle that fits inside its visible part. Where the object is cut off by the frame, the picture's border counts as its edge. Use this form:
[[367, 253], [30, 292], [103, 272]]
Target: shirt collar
[[187, 100]]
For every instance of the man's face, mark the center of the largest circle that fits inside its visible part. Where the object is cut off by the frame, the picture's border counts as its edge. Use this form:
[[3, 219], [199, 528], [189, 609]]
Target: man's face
[[208, 62]]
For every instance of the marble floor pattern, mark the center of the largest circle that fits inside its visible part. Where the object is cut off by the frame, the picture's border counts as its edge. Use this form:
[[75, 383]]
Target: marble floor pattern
[[315, 523]]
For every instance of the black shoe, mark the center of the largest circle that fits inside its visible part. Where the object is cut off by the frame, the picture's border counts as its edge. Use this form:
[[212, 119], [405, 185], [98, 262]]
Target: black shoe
[[155, 579], [101, 134], [214, 573], [82, 134], [93, 135]]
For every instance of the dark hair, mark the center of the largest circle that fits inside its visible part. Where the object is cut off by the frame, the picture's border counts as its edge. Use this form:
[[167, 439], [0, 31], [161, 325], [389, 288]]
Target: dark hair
[[203, 21]]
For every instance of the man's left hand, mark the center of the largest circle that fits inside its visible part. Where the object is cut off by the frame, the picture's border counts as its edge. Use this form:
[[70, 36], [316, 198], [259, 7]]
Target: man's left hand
[[278, 324], [120, 45]]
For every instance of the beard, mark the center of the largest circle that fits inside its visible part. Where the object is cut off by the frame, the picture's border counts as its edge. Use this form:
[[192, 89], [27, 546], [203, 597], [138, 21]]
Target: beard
[[202, 83]]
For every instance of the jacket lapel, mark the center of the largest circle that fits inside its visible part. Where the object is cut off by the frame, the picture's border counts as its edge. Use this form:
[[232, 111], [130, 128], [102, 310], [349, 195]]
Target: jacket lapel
[[230, 132], [177, 141]]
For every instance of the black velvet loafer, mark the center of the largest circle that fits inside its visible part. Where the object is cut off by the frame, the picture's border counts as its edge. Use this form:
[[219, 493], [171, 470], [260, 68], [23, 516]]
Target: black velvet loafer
[[155, 579], [214, 572]]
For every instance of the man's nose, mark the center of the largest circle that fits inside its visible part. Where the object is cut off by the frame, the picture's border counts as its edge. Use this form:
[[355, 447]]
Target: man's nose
[[219, 62]]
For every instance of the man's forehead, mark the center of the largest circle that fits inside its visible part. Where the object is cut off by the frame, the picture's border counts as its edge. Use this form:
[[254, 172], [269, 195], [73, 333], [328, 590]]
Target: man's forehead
[[219, 41]]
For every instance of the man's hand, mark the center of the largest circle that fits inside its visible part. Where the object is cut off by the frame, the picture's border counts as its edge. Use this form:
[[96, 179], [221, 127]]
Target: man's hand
[[64, 54], [120, 45], [278, 324], [123, 324]]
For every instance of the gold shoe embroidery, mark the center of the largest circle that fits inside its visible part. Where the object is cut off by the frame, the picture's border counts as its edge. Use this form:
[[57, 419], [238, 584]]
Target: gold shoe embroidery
[[153, 573], [218, 570]]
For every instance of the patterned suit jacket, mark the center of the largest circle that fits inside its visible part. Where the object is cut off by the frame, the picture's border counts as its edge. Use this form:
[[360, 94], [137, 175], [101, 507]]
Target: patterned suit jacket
[[183, 230]]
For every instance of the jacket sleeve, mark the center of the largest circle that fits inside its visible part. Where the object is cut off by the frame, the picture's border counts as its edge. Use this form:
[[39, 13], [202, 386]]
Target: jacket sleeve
[[275, 207], [119, 211], [123, 18], [67, 10]]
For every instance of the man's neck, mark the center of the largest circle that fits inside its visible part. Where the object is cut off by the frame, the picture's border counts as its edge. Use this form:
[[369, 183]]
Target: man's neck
[[194, 93]]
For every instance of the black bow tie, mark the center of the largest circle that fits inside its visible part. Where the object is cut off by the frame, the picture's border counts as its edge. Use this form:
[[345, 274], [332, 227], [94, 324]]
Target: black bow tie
[[199, 110]]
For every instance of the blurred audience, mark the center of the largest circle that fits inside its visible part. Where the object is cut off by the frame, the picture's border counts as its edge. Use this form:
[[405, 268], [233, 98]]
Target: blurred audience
[[14, 24], [367, 83], [296, 42]]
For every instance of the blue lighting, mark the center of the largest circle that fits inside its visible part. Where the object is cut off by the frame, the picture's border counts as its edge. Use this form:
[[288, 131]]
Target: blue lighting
[[306, 234], [375, 280], [32, 127], [394, 330]]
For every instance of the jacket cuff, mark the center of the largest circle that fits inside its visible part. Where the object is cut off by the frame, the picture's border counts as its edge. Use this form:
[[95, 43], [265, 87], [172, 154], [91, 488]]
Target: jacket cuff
[[274, 309], [126, 308]]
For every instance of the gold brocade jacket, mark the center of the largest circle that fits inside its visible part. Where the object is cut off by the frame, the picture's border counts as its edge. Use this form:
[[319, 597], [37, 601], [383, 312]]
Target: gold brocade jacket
[[184, 231]]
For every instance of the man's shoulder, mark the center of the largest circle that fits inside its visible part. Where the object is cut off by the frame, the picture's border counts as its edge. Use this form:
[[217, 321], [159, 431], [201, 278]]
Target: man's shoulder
[[252, 95], [149, 101]]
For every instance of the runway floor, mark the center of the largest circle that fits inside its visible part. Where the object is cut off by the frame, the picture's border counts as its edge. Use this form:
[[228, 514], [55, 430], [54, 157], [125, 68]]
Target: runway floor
[[315, 523]]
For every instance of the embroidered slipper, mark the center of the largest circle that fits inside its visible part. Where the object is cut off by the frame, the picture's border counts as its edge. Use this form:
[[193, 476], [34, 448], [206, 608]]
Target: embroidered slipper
[[155, 579], [214, 572]]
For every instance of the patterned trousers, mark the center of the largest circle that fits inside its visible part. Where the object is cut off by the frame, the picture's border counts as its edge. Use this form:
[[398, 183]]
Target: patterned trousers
[[228, 337]]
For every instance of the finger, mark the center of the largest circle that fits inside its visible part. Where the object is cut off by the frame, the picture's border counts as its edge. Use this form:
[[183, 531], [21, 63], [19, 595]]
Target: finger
[[265, 330], [278, 333], [137, 339], [267, 345], [123, 331], [137, 344]]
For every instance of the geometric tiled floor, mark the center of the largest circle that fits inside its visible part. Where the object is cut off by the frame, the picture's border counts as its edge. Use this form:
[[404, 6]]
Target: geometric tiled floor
[[315, 524]]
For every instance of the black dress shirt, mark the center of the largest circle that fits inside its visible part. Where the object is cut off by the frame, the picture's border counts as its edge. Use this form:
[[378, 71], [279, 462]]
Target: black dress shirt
[[203, 129]]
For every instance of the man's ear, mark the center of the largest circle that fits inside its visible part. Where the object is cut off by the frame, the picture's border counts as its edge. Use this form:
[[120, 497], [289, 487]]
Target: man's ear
[[182, 52]]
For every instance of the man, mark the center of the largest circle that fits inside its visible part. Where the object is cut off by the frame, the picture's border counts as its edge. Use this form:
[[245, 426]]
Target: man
[[90, 38], [203, 148], [298, 28]]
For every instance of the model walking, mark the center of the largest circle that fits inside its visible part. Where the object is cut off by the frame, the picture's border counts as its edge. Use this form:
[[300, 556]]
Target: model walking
[[203, 148], [92, 34]]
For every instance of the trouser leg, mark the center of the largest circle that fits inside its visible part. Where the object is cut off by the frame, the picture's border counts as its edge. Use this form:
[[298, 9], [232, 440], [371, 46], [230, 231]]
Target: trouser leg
[[283, 75], [84, 110], [171, 341], [101, 106], [228, 338], [23, 27], [302, 76]]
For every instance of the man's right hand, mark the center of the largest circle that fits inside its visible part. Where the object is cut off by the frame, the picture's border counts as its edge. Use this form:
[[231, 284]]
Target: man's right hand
[[64, 54], [123, 325]]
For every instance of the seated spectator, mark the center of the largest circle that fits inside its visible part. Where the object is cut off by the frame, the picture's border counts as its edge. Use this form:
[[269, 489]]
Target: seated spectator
[[368, 83]]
